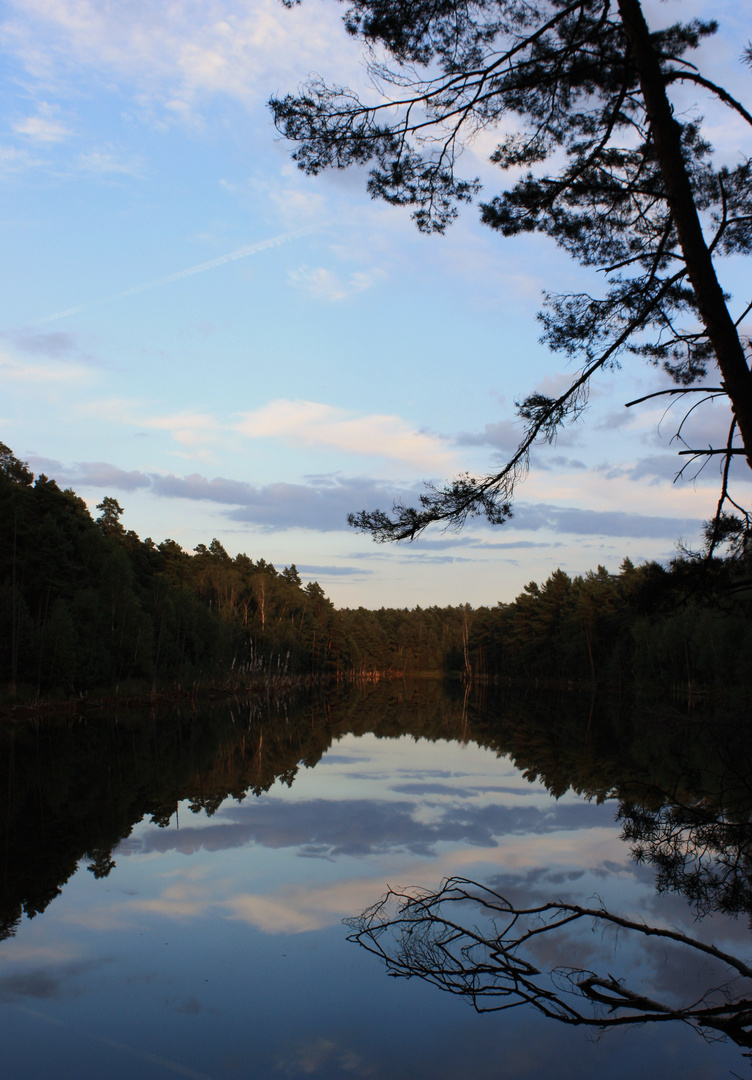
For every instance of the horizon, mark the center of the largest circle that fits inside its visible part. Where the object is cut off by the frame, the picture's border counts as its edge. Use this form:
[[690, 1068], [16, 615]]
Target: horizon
[[232, 349]]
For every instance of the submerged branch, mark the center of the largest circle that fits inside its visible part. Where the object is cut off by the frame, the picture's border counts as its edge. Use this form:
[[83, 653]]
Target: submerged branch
[[414, 933]]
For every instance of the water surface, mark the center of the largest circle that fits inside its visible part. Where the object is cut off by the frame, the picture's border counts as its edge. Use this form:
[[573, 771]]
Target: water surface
[[188, 877]]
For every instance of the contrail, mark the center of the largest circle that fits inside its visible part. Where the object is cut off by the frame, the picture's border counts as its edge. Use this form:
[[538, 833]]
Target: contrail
[[143, 1055], [241, 253]]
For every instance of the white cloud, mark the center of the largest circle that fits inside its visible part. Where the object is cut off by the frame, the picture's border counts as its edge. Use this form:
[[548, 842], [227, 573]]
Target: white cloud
[[44, 127], [41, 374], [13, 160], [182, 51], [106, 162], [600, 491], [553, 386], [307, 424], [312, 424], [324, 284], [578, 522], [189, 429], [297, 205], [97, 474], [321, 504], [114, 410]]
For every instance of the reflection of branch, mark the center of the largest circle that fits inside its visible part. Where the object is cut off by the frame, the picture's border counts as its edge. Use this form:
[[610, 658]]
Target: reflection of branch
[[415, 933], [698, 852]]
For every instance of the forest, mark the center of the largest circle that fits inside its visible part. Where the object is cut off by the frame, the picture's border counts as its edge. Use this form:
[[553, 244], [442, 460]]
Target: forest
[[89, 609]]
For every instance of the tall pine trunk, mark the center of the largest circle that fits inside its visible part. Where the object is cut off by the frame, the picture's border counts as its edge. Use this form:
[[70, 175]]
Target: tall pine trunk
[[721, 331]]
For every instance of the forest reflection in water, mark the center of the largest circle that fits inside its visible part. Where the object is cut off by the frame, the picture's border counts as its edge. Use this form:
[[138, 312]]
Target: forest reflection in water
[[640, 813]]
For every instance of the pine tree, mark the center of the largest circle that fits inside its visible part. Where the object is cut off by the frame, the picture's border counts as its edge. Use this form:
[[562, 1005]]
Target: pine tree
[[633, 191]]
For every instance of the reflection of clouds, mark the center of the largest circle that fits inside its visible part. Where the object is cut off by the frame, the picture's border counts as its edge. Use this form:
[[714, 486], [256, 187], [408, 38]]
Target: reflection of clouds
[[524, 865], [344, 759], [672, 973], [57, 953], [310, 908], [44, 983], [190, 1006], [275, 914], [681, 974], [190, 893], [107, 918], [323, 1054], [37, 984], [591, 849], [419, 788], [360, 827], [669, 971]]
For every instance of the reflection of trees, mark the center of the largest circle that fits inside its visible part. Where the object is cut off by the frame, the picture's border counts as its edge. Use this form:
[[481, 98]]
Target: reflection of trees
[[697, 834], [469, 940], [682, 781], [697, 851], [71, 789]]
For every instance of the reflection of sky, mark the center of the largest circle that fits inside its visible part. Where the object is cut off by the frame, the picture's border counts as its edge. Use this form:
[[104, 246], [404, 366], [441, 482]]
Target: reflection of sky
[[215, 947]]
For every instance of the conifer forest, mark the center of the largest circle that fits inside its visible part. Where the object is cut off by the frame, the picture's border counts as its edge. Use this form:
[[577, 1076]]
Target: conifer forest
[[91, 609]]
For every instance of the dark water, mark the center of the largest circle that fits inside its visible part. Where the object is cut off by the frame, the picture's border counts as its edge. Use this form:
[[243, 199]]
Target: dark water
[[174, 887]]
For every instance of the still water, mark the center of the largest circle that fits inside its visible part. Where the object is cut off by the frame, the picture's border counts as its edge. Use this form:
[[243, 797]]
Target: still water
[[187, 879]]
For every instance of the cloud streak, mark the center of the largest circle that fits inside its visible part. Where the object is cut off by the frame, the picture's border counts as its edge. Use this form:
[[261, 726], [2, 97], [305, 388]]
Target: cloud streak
[[47, 374], [577, 521], [323, 502], [42, 128], [211, 264]]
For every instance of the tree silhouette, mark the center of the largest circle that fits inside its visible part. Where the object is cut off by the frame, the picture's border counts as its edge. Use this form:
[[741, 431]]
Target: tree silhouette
[[633, 191]]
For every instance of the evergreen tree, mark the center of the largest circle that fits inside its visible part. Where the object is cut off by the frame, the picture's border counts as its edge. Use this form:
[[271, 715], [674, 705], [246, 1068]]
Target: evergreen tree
[[583, 87]]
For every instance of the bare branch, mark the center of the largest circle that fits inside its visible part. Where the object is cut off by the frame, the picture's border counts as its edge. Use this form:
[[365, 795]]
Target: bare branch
[[414, 933], [676, 391], [710, 452], [700, 80]]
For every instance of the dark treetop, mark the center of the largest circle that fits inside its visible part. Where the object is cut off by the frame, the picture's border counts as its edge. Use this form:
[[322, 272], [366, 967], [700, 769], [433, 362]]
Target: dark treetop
[[632, 191]]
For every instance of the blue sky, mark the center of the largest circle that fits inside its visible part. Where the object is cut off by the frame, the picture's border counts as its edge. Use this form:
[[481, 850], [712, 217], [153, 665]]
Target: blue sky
[[233, 349]]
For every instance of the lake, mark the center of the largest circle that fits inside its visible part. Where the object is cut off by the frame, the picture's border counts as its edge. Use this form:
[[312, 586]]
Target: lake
[[174, 885]]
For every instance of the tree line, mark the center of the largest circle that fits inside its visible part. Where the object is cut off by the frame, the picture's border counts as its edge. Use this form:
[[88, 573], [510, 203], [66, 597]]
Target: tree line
[[87, 606], [681, 627]]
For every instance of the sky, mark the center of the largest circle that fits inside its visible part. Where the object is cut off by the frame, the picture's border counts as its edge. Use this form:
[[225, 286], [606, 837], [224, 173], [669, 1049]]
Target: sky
[[232, 349]]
